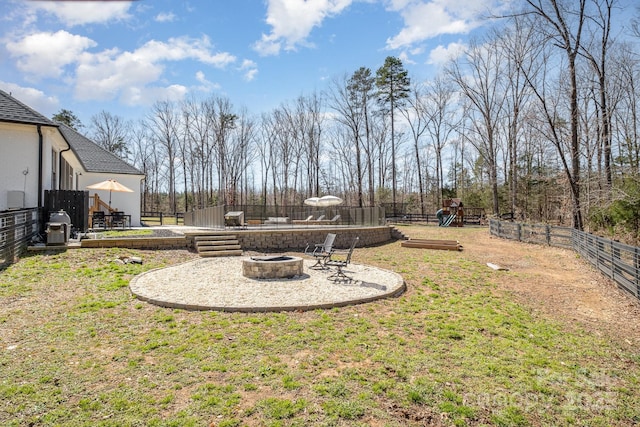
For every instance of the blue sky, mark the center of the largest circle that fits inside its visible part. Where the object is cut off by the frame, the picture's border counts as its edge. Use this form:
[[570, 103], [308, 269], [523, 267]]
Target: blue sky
[[120, 56]]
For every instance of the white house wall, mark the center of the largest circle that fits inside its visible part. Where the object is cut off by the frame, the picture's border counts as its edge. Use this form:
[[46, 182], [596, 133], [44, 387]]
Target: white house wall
[[19, 169], [52, 141], [18, 162], [129, 203]]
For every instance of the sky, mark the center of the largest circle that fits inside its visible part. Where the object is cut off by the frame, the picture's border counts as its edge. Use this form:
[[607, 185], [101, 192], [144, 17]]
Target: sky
[[122, 56]]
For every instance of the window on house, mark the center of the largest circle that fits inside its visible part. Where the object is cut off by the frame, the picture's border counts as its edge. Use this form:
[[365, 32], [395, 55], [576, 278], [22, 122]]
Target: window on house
[[66, 175]]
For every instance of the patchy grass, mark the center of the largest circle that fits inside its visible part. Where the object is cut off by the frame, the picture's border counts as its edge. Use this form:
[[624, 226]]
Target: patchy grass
[[124, 233], [456, 349]]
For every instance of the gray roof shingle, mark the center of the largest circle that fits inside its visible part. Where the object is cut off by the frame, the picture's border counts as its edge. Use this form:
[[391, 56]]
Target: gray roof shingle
[[93, 157], [12, 110]]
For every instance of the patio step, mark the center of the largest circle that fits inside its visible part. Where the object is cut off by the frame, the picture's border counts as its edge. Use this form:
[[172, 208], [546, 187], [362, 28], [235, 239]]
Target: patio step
[[230, 252], [217, 245], [204, 243], [397, 234], [216, 237]]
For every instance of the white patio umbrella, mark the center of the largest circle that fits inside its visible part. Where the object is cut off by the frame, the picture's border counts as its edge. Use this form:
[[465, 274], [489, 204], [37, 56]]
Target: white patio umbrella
[[323, 201], [312, 201], [329, 201], [111, 185]]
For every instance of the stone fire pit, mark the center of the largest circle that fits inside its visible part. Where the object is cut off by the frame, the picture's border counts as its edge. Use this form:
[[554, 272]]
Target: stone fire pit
[[272, 267]]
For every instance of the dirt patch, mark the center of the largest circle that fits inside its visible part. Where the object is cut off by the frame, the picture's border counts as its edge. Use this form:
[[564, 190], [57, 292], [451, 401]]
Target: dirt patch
[[557, 282]]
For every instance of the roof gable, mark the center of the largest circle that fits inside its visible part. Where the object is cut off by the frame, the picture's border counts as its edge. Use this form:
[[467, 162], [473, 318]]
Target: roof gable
[[93, 157], [14, 111]]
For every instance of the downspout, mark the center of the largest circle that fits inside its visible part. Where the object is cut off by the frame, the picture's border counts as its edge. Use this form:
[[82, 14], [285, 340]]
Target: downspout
[[40, 155]]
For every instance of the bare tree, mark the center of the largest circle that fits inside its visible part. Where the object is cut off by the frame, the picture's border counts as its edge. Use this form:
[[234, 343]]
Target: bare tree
[[597, 56], [478, 74], [111, 132], [162, 124], [348, 99], [417, 117], [562, 23], [443, 120]]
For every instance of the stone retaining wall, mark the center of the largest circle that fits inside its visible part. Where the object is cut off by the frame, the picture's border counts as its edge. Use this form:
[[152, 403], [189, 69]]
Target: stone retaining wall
[[137, 243], [274, 240], [293, 239]]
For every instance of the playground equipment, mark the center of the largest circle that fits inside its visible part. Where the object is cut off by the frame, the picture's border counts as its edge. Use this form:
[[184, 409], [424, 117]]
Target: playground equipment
[[451, 214]]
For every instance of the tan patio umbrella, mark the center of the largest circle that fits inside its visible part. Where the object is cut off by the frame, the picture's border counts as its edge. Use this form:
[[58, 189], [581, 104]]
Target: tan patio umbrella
[[111, 185]]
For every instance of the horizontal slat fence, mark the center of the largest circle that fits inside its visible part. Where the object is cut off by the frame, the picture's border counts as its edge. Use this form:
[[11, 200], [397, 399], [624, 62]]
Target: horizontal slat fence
[[617, 261], [17, 228], [161, 218], [533, 233]]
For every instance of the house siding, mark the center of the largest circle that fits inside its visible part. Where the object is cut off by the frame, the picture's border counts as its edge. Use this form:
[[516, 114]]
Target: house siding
[[18, 162]]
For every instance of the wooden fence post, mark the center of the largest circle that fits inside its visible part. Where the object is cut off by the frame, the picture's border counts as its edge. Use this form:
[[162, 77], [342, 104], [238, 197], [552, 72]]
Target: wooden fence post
[[548, 234], [636, 262]]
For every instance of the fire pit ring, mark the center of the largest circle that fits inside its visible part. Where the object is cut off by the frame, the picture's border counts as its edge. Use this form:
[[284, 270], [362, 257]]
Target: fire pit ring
[[272, 267]]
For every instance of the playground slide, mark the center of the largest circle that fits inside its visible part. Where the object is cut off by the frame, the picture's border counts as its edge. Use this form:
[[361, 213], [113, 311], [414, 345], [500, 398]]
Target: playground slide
[[448, 220]]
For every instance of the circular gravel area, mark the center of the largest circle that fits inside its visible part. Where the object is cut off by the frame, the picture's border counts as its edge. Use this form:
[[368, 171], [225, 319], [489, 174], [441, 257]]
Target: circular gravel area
[[218, 284]]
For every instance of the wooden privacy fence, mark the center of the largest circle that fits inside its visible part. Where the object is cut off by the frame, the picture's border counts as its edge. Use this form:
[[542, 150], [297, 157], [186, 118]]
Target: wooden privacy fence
[[74, 202], [17, 228], [617, 261]]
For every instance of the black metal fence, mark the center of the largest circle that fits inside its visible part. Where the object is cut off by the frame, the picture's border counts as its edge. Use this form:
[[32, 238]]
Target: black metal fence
[[617, 261], [288, 215], [17, 228], [471, 216]]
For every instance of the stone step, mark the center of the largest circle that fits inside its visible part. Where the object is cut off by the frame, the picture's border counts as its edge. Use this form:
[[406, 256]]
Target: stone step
[[231, 252], [397, 234], [214, 237], [205, 243], [218, 248]]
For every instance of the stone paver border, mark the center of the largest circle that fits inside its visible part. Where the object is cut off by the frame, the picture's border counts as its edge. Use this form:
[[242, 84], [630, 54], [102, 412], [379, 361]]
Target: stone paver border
[[218, 284]]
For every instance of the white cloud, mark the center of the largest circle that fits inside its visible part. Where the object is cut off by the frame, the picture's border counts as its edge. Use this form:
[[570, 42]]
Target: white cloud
[[205, 85], [427, 19], [46, 54], [292, 21], [180, 48], [34, 98], [250, 69], [148, 95], [113, 73], [84, 12], [443, 54], [165, 17]]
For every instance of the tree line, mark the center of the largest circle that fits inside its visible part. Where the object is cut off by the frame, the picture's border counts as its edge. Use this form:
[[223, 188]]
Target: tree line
[[539, 118]]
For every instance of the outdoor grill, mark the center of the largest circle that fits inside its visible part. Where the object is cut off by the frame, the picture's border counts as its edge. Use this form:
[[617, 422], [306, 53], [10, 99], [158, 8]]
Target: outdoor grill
[[58, 228]]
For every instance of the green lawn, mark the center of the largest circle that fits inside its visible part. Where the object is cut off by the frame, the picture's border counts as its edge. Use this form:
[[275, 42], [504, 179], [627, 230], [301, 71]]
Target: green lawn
[[78, 350]]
